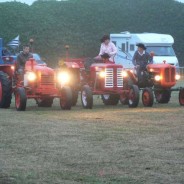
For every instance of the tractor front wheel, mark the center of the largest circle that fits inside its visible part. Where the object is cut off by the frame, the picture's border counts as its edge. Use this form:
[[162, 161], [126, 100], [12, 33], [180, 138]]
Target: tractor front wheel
[[20, 99], [110, 99], [5, 90], [147, 97], [133, 97], [162, 96], [181, 97], [66, 98], [87, 97]]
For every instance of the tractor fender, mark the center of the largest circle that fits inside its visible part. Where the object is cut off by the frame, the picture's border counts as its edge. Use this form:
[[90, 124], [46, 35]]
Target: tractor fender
[[132, 77]]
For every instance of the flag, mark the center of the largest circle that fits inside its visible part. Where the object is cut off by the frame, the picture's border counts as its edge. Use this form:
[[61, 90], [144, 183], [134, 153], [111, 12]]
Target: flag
[[14, 43]]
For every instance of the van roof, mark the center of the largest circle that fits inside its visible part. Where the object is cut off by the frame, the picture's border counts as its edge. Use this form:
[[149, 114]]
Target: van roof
[[146, 38]]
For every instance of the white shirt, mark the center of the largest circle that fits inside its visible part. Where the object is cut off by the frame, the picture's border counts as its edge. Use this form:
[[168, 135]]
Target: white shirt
[[109, 49]]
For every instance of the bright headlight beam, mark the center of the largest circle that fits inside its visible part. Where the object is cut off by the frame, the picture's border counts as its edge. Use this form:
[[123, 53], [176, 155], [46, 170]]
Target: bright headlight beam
[[157, 77], [63, 77], [102, 74], [177, 77], [31, 76]]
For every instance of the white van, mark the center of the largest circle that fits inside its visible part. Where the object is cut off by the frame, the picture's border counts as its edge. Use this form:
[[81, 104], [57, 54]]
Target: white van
[[160, 44]]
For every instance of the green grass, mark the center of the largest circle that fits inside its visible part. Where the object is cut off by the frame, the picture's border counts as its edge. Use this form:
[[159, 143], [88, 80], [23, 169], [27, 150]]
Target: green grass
[[104, 145]]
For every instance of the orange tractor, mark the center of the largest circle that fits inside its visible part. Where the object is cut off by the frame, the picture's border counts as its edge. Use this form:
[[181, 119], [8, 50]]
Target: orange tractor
[[159, 80], [38, 82]]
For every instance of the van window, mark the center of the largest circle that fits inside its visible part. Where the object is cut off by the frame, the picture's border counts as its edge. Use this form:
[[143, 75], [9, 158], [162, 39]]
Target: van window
[[161, 50], [114, 42], [132, 47], [123, 47]]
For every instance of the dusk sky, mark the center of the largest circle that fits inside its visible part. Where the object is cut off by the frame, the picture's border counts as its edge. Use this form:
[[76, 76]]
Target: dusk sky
[[31, 1]]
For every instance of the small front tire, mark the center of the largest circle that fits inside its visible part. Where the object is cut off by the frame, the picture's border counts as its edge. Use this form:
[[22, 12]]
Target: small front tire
[[147, 97], [66, 98], [20, 99]]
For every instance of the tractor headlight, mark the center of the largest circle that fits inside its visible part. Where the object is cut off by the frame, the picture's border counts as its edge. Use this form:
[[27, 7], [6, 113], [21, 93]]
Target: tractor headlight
[[102, 74], [124, 74], [151, 70], [158, 77], [63, 77], [177, 77], [31, 76]]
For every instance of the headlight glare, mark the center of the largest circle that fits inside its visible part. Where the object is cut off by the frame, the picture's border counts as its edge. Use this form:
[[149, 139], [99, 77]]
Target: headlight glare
[[31, 76]]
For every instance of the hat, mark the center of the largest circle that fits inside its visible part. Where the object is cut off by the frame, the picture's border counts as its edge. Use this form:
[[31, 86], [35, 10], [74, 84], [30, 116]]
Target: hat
[[105, 37], [141, 45]]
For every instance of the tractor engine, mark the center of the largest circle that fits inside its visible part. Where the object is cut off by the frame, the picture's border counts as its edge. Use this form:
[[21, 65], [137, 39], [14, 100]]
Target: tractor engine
[[107, 77], [163, 75]]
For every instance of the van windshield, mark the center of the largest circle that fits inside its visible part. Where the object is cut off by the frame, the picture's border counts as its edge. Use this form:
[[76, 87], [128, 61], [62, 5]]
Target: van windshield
[[161, 50]]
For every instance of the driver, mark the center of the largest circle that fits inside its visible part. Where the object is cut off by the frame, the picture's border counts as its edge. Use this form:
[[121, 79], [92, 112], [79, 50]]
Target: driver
[[24, 56], [107, 47], [141, 59]]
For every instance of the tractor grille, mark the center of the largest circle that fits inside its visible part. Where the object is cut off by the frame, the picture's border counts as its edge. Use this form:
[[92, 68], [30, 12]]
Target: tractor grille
[[119, 78], [47, 79], [109, 82], [169, 75]]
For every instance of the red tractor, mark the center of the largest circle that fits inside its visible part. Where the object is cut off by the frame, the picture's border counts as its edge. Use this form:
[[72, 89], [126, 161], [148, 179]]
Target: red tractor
[[108, 80], [38, 82], [158, 80]]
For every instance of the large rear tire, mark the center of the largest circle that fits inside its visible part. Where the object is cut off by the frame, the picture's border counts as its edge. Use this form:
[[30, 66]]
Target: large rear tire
[[133, 96], [162, 96], [66, 98], [110, 99], [20, 99], [5, 90], [181, 97], [45, 102], [147, 97], [87, 97]]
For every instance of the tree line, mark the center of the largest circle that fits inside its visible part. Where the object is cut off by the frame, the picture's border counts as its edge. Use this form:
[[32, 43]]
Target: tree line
[[81, 23]]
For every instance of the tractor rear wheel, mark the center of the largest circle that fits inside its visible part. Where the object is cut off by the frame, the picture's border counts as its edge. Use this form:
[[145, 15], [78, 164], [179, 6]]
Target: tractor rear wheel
[[110, 99], [133, 97], [74, 98], [66, 98], [181, 97], [5, 90], [20, 99], [147, 97], [45, 102], [87, 97], [162, 96]]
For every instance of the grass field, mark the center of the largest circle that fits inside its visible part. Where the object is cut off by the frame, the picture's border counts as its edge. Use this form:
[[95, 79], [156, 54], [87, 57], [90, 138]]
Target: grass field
[[105, 145]]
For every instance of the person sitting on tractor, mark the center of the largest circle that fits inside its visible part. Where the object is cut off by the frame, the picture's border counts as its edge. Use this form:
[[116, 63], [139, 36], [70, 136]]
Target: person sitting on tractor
[[141, 59], [107, 47], [24, 56]]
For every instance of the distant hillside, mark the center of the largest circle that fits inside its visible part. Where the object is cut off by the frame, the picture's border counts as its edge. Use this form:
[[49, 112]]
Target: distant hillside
[[81, 23]]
